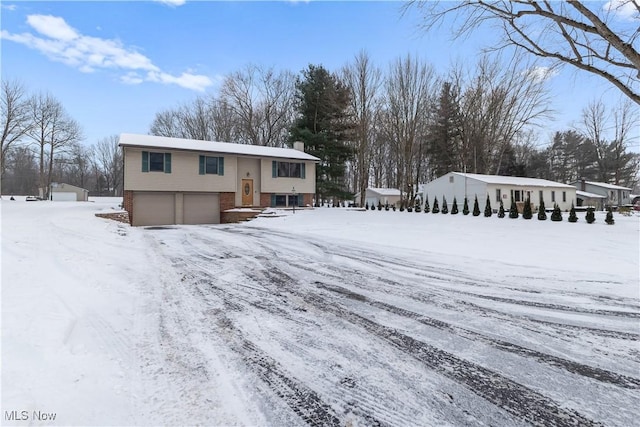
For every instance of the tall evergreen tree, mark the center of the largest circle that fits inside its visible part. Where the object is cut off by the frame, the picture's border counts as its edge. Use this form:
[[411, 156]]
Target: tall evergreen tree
[[487, 208], [476, 207], [445, 134], [325, 128]]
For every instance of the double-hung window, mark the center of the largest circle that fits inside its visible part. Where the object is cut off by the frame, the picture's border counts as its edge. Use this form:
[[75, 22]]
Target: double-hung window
[[153, 161], [287, 170], [208, 165]]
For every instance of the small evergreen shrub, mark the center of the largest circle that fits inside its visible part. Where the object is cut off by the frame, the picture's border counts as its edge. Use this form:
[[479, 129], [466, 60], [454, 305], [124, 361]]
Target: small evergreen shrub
[[513, 210], [501, 210], [427, 209], [609, 219], [476, 207], [393, 207], [556, 215], [572, 214], [454, 208], [366, 206], [465, 206], [409, 207], [526, 210], [373, 207], [591, 216], [401, 206], [379, 205], [386, 206], [445, 208], [542, 213], [487, 207], [435, 209], [418, 206]]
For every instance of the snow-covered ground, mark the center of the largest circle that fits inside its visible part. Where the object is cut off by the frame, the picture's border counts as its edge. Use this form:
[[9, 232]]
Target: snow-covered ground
[[323, 317]]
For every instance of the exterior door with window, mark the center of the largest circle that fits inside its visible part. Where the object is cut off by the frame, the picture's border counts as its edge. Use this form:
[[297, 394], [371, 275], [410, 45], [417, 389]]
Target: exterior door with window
[[247, 192]]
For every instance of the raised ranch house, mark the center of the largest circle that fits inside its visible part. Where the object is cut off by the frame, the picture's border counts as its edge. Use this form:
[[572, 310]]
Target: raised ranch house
[[610, 194], [505, 188], [184, 181]]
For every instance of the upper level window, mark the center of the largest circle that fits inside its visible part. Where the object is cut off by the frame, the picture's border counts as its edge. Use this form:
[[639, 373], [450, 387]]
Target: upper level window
[[156, 162], [211, 165], [287, 170]]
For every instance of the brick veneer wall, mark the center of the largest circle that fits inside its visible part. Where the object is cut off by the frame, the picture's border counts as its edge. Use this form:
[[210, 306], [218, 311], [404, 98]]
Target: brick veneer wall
[[307, 199], [227, 201], [127, 202], [265, 200]]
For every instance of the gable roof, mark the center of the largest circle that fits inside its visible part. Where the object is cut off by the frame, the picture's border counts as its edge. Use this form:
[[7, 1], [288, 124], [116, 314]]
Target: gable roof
[[513, 180], [605, 185], [163, 142], [385, 191]]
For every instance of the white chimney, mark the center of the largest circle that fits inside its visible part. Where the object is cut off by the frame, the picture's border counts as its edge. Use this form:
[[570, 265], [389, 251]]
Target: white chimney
[[298, 145]]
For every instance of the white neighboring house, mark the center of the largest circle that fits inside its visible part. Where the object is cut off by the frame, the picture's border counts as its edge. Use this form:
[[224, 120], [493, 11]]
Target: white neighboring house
[[61, 192], [611, 195], [499, 188], [382, 195]]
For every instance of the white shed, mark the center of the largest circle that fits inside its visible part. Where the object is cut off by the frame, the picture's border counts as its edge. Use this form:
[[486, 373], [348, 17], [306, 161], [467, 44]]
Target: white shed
[[382, 195], [61, 192], [499, 188]]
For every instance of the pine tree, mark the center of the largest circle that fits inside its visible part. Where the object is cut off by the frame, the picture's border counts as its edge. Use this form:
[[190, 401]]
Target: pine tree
[[513, 210], [427, 209], [435, 209], [393, 207], [386, 206], [501, 210], [323, 124], [526, 210], [609, 219], [379, 205], [591, 216], [401, 206], [542, 213], [366, 206], [373, 207], [487, 208], [476, 207], [454, 208], [556, 215], [418, 208], [445, 207], [465, 207], [572, 214]]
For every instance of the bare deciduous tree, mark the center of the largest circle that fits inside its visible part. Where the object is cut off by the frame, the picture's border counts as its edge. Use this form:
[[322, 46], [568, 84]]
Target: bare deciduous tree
[[108, 158], [15, 117], [600, 38], [364, 80], [262, 102]]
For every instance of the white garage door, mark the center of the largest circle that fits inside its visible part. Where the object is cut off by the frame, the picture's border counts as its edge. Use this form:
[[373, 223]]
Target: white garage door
[[59, 196], [201, 208], [154, 208]]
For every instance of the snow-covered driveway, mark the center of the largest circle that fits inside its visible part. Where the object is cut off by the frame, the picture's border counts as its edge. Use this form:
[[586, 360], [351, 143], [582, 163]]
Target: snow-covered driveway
[[331, 333], [325, 317]]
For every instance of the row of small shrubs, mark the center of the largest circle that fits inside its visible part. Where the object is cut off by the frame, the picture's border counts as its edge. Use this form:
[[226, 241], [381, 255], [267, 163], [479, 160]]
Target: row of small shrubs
[[527, 213]]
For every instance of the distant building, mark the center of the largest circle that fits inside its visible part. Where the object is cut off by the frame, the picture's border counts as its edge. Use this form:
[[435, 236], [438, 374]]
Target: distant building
[[499, 188], [61, 192], [611, 195], [382, 195]]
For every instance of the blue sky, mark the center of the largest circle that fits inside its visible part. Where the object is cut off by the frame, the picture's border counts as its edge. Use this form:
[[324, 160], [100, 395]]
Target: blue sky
[[114, 65]]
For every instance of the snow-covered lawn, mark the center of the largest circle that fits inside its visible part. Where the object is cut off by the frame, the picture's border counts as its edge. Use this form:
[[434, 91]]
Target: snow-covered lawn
[[323, 317]]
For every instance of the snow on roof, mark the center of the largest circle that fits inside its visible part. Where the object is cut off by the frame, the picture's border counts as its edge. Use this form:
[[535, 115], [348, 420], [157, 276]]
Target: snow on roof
[[589, 195], [513, 180], [385, 191], [151, 141], [609, 186]]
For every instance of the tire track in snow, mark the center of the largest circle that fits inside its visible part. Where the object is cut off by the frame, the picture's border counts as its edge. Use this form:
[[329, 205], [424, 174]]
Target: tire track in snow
[[568, 365]]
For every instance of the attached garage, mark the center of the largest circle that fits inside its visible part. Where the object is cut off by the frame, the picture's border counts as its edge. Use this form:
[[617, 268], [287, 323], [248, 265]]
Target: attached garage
[[201, 208], [154, 208]]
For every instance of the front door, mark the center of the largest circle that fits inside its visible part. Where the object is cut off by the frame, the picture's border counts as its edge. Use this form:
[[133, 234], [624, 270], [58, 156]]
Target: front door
[[247, 192]]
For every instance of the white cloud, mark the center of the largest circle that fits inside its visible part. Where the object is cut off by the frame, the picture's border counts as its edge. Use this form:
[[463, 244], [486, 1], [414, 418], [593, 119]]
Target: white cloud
[[172, 2], [62, 43], [540, 73], [10, 7], [625, 9]]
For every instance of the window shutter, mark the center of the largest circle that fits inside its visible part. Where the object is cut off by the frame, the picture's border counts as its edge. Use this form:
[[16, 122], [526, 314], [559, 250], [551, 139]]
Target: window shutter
[[145, 161], [302, 171], [167, 162], [273, 200], [274, 170], [221, 166], [201, 165]]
